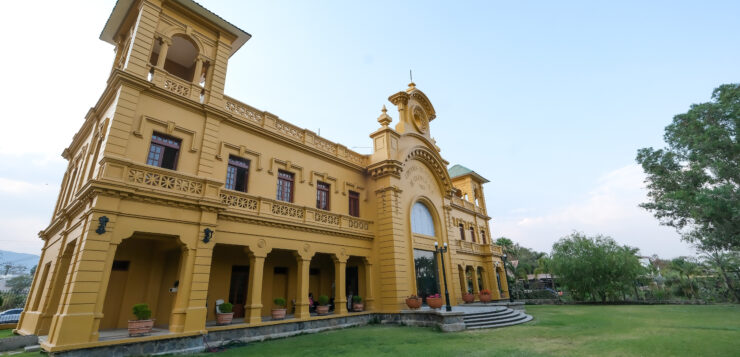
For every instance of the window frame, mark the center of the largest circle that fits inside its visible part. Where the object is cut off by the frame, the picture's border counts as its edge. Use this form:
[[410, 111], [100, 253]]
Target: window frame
[[237, 163], [325, 188], [289, 177], [472, 234], [462, 231], [160, 140], [483, 236], [354, 203]]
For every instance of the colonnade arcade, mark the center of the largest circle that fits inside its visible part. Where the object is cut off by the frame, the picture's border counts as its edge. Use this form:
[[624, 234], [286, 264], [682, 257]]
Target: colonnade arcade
[[161, 271]]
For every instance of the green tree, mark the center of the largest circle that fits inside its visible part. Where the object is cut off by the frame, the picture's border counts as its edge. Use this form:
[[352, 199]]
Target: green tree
[[722, 263], [595, 267], [684, 267], [694, 183]]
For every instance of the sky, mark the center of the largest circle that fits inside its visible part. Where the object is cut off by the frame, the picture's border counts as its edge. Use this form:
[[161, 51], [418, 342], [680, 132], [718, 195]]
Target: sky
[[548, 100]]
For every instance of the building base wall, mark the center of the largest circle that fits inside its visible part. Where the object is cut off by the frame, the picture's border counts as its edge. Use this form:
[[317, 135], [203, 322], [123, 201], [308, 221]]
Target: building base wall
[[222, 335]]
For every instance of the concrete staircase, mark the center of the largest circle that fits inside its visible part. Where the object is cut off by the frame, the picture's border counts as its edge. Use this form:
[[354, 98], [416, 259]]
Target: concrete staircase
[[498, 317]]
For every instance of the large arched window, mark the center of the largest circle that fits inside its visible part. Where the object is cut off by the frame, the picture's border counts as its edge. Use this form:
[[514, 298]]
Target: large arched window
[[421, 220]]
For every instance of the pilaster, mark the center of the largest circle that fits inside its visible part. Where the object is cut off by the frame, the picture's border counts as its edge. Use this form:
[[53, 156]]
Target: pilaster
[[142, 42]]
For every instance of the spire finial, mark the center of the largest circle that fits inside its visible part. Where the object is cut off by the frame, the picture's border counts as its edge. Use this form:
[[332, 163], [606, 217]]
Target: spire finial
[[384, 119]]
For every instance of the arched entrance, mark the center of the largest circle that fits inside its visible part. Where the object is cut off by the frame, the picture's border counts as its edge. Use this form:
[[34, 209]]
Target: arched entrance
[[425, 262], [145, 269]]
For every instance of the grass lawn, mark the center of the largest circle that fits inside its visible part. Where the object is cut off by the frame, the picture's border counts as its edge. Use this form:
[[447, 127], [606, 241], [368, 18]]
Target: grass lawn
[[664, 330], [6, 333]]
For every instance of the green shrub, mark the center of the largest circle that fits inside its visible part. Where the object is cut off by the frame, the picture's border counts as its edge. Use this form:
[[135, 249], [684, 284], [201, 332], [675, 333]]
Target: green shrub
[[279, 302], [142, 312], [357, 299], [323, 300], [226, 308]]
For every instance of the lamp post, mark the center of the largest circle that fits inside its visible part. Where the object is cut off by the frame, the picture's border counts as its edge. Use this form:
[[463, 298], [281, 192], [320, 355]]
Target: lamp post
[[506, 276], [444, 272]]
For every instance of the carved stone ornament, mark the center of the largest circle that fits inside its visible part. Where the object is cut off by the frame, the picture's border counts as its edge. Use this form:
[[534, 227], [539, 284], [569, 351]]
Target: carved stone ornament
[[261, 243], [384, 119], [306, 247], [207, 235], [102, 221]]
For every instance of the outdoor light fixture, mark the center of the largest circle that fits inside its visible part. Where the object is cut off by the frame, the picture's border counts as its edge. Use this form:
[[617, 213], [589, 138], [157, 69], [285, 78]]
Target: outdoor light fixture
[[444, 272]]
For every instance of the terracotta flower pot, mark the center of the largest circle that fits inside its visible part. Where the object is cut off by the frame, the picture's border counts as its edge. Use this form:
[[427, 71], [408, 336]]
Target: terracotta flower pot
[[485, 297], [278, 314], [224, 318], [358, 306], [140, 327], [413, 303], [468, 298], [434, 303], [322, 309]]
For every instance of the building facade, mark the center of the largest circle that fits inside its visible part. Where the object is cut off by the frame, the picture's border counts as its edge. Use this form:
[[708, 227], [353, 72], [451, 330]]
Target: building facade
[[177, 195]]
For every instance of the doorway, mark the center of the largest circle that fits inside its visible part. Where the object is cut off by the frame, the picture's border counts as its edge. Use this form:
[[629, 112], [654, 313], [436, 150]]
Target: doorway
[[238, 288], [427, 279]]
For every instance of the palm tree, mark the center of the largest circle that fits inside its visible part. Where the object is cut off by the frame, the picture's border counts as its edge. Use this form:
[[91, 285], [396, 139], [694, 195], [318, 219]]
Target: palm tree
[[687, 268]]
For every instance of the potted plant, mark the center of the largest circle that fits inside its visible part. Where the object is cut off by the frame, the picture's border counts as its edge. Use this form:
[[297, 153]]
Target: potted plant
[[357, 304], [485, 295], [413, 302], [323, 307], [143, 323], [278, 312], [468, 297], [225, 313], [434, 301]]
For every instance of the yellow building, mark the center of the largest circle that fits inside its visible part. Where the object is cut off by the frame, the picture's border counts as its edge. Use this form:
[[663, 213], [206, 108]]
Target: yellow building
[[177, 195]]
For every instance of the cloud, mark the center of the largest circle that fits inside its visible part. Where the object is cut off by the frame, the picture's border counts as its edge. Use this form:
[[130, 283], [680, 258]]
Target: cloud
[[18, 187], [20, 234], [610, 208]]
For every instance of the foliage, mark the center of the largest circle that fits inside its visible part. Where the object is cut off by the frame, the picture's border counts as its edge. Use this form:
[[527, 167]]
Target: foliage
[[142, 312], [694, 183], [19, 284], [595, 267], [357, 299], [323, 300], [556, 331], [226, 308], [280, 302]]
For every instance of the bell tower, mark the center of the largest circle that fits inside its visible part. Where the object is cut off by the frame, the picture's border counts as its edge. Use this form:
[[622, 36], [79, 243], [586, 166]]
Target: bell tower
[[177, 45], [415, 111]]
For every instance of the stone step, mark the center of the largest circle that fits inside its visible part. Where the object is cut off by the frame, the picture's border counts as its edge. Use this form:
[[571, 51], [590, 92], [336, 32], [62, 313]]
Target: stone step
[[488, 315], [497, 319], [492, 311], [526, 318], [497, 322]]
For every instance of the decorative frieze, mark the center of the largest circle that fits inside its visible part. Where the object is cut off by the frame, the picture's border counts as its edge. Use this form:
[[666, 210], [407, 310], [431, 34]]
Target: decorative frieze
[[177, 88], [285, 210], [165, 182], [244, 111], [238, 201]]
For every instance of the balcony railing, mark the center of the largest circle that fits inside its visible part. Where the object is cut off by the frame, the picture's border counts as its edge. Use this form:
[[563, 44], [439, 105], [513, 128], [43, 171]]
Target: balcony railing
[[467, 205], [264, 207], [475, 248]]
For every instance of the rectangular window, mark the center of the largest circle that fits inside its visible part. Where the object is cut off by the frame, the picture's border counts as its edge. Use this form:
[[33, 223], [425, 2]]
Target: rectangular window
[[163, 151], [285, 186], [322, 195], [483, 236], [237, 174], [354, 204], [472, 234], [462, 232]]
